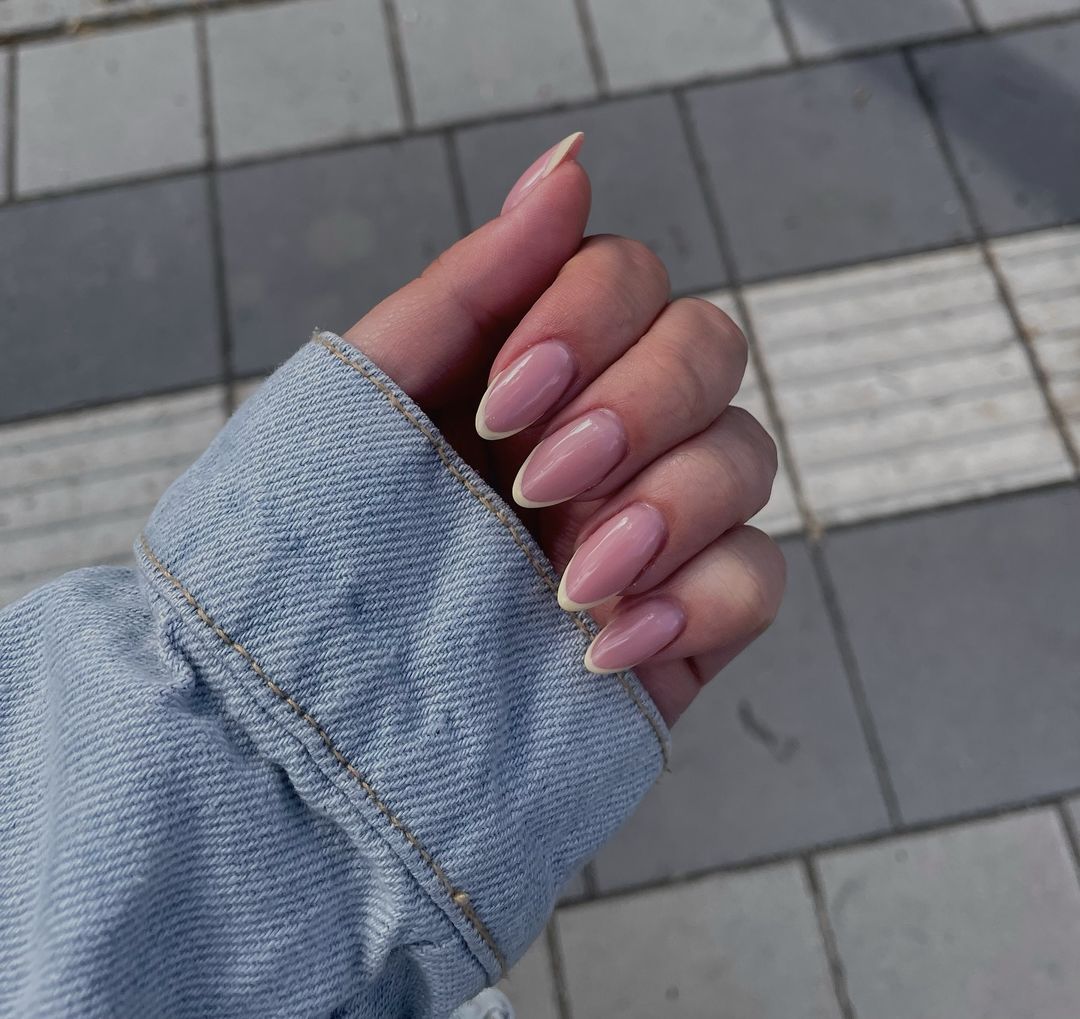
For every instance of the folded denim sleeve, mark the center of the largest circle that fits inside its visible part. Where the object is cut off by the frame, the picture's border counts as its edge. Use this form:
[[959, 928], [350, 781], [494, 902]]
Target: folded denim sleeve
[[331, 750]]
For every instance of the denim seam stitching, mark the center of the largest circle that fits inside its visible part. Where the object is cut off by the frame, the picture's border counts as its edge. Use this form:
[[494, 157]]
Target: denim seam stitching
[[447, 460], [459, 897]]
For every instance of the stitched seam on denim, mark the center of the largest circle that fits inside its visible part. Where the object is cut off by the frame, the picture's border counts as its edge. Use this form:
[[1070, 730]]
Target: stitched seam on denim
[[499, 515], [460, 897]]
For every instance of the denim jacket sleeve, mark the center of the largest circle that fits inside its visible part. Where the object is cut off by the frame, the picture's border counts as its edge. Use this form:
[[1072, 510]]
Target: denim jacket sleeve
[[329, 750]]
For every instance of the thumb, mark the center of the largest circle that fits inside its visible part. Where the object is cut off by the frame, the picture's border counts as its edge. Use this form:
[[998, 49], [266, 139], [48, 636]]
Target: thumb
[[446, 325]]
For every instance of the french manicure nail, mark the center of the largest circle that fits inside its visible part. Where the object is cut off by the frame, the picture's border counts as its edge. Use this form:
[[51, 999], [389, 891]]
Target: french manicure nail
[[612, 556], [635, 635], [524, 392], [566, 150], [571, 461]]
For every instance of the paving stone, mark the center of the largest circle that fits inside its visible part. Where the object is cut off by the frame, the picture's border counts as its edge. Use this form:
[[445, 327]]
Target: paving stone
[[974, 922], [771, 758], [827, 27], [26, 15], [1043, 275], [75, 489], [902, 385], [644, 184], [648, 42], [741, 945], [5, 64], [781, 515], [103, 107], [478, 57], [1009, 106], [116, 291], [314, 241], [286, 76], [825, 166], [963, 623], [530, 985], [997, 13]]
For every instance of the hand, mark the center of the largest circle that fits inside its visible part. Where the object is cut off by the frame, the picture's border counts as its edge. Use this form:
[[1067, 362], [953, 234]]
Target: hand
[[605, 418]]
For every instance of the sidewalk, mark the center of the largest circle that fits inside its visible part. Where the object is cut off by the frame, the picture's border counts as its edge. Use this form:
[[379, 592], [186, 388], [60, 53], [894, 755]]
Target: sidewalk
[[873, 813]]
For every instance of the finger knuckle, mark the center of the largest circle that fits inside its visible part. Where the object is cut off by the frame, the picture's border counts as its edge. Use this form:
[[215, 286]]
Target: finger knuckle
[[762, 577], [633, 260], [761, 444], [707, 323]]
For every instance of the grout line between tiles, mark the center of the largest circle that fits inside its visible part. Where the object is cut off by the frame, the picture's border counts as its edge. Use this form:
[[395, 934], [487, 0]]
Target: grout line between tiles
[[1072, 837], [787, 33], [812, 526], [217, 235], [558, 971], [457, 183], [973, 13], [837, 973], [11, 136], [397, 60], [1004, 293], [588, 877], [871, 736], [593, 53]]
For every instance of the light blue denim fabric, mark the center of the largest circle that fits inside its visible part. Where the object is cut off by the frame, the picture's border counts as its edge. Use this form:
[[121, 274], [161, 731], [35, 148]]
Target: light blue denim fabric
[[330, 751]]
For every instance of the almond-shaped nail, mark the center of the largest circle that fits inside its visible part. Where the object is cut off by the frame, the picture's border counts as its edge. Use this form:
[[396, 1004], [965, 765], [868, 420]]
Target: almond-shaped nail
[[571, 461], [611, 558], [524, 392], [640, 632], [566, 150]]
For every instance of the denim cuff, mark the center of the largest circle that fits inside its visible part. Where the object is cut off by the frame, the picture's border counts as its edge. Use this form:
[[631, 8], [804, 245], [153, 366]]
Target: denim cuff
[[392, 614]]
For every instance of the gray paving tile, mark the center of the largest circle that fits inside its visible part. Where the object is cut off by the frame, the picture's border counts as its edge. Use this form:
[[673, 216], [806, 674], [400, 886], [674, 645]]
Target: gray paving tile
[[739, 945], [103, 107], [1042, 271], [112, 291], [903, 385], [76, 488], [770, 758], [825, 166], [997, 13], [1010, 106], [975, 922], [285, 76], [476, 57], [644, 184], [1073, 810], [648, 42], [827, 27], [314, 241], [5, 64], [964, 626]]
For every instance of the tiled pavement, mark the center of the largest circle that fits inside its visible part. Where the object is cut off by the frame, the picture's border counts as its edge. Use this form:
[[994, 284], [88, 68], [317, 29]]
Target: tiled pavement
[[872, 813]]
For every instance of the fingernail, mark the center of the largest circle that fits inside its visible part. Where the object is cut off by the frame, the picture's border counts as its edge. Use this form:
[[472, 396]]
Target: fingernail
[[524, 392], [566, 150], [572, 460], [634, 635], [612, 557]]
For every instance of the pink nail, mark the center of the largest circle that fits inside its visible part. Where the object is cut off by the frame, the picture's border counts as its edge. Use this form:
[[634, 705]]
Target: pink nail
[[612, 557], [571, 461], [635, 635], [526, 390], [566, 150]]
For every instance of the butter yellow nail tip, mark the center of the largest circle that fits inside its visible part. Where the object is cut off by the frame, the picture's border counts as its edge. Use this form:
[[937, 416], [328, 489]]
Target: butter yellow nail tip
[[562, 150]]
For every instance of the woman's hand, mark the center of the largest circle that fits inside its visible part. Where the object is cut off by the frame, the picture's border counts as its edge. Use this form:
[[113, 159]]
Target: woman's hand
[[560, 370]]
